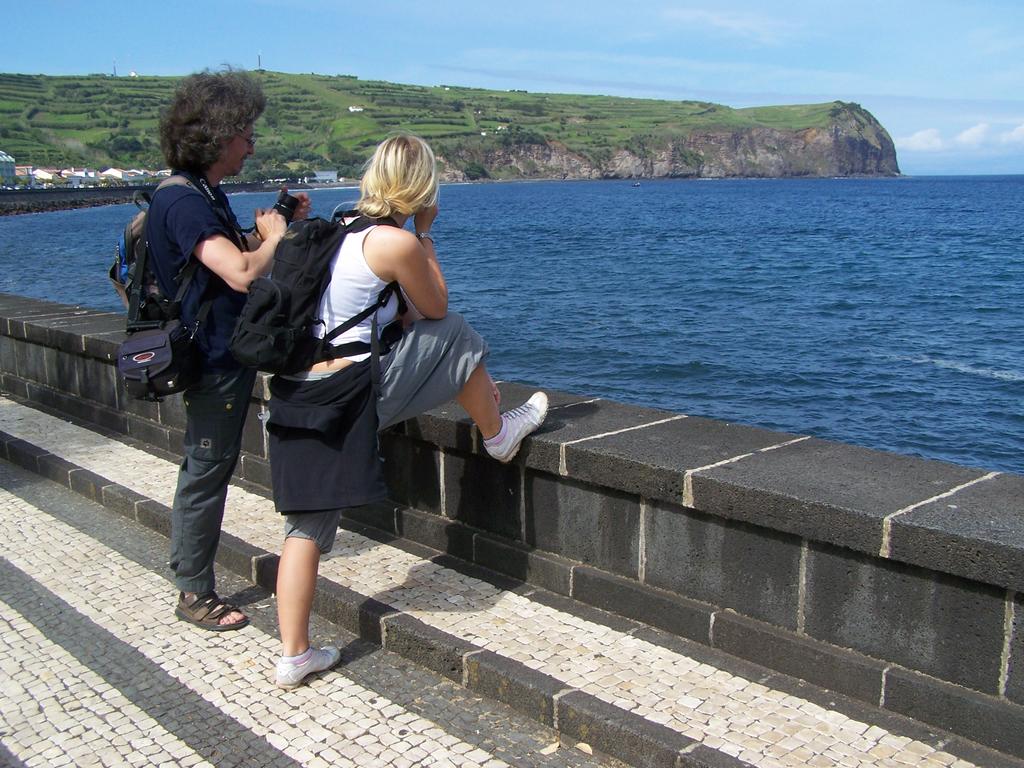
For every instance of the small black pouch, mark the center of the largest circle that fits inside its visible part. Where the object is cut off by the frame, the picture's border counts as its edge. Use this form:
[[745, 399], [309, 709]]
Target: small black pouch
[[160, 361]]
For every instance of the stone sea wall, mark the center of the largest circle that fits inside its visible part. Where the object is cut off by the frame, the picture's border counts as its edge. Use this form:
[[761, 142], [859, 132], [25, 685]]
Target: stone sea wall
[[892, 579]]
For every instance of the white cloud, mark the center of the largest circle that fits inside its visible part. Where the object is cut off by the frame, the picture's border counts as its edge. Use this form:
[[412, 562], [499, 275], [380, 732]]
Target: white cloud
[[927, 140], [1016, 136], [974, 136], [762, 29]]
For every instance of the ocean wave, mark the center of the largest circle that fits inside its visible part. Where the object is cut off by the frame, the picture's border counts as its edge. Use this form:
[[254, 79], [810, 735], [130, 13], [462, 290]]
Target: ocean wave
[[961, 367]]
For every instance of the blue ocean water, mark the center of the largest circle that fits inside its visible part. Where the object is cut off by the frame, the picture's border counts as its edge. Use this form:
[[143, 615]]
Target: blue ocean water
[[881, 312]]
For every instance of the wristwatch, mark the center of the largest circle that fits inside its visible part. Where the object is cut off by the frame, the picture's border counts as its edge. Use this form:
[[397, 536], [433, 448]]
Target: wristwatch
[[425, 236]]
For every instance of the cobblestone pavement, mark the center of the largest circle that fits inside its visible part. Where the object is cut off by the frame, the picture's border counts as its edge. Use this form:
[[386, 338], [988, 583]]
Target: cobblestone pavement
[[95, 669], [732, 712]]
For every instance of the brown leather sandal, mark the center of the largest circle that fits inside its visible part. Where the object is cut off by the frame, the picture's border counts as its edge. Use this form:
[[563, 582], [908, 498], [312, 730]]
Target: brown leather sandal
[[206, 610]]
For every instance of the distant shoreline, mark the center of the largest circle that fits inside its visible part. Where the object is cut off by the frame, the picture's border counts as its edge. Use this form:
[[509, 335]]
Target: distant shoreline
[[19, 201]]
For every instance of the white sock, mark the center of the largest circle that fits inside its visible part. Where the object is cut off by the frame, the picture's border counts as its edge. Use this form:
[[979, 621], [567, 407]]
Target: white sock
[[302, 658], [499, 438]]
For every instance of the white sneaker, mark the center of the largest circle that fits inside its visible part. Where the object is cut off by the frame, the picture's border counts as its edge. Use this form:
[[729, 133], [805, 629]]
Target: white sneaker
[[291, 675], [518, 423]]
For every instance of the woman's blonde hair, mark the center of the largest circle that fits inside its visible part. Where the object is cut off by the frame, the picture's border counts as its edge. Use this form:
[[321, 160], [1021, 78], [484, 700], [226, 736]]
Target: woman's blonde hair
[[401, 177]]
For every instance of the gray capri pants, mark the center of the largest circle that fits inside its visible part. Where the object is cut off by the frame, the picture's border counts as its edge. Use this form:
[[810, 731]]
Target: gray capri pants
[[428, 366]]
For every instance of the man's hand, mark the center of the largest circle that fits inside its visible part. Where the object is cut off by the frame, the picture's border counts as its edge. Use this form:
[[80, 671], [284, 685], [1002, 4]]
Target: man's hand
[[270, 224], [302, 210]]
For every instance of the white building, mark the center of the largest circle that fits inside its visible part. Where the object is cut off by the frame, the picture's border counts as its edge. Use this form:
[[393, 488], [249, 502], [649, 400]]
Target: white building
[[120, 174]]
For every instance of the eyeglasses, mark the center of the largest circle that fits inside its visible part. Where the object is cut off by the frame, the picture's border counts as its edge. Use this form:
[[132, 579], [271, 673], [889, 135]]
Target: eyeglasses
[[250, 140]]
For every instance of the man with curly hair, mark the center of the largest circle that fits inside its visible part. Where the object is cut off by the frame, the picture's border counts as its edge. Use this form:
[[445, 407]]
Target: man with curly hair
[[206, 134]]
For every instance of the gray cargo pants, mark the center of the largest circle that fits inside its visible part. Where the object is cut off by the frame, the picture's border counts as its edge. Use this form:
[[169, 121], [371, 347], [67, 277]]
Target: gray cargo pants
[[215, 410]]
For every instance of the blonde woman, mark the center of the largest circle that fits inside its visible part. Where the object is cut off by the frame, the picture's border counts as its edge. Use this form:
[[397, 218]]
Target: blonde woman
[[323, 423]]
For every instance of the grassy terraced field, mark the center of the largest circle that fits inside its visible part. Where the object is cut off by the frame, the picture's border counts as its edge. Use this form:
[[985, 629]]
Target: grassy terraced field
[[98, 120]]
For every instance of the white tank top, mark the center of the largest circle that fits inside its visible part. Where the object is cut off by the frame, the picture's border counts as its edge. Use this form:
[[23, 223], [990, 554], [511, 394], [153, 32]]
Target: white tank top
[[353, 288]]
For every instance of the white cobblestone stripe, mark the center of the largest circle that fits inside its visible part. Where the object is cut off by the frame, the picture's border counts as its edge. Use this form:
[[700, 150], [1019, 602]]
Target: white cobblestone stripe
[[77, 703], [726, 712]]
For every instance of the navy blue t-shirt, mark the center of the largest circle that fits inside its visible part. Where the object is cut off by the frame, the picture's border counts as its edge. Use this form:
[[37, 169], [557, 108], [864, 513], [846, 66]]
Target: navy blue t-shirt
[[180, 218]]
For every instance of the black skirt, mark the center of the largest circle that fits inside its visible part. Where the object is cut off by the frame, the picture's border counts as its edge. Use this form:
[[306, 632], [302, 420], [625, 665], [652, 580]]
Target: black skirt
[[323, 444]]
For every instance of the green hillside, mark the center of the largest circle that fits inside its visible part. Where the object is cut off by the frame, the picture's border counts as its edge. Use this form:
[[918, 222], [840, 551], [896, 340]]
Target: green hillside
[[100, 120]]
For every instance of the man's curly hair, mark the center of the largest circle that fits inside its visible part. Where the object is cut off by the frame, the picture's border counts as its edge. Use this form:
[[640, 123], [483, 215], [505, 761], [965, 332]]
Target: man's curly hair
[[208, 109]]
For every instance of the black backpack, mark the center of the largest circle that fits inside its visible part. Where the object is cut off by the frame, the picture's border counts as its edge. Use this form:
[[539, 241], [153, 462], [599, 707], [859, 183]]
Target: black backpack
[[275, 330], [128, 273]]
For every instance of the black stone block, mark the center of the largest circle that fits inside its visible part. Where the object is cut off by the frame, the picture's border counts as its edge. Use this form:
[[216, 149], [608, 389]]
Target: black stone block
[[355, 612], [25, 454], [573, 423], [155, 516], [429, 647], [1015, 661], [77, 407], [99, 382], [941, 625], [256, 471], [447, 426], [64, 371], [253, 433], [16, 386], [8, 356], [625, 597], [31, 362], [585, 523], [701, 756], [616, 732], [984, 719], [238, 555], [88, 484], [525, 690], [978, 533], [55, 468], [824, 491], [122, 500], [412, 472], [103, 346], [172, 412], [753, 570], [378, 516], [836, 669], [148, 432], [520, 562], [438, 533], [264, 571], [68, 333], [145, 409], [652, 461], [16, 305], [484, 494]]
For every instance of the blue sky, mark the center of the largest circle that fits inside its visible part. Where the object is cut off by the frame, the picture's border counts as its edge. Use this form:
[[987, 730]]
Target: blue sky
[[945, 78]]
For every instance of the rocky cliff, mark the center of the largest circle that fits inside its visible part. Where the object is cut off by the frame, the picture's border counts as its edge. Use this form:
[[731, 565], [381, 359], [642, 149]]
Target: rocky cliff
[[852, 143]]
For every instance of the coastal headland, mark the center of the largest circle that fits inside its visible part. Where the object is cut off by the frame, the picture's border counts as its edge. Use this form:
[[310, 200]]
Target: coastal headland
[[319, 122]]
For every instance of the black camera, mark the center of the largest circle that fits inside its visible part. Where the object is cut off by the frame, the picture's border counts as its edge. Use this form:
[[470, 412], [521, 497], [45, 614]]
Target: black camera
[[286, 205]]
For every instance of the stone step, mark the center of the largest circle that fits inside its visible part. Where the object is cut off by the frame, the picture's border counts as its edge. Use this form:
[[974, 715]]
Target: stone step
[[95, 669], [636, 693]]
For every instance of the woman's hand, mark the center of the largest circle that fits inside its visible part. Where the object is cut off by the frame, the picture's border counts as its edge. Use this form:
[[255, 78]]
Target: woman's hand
[[425, 218]]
